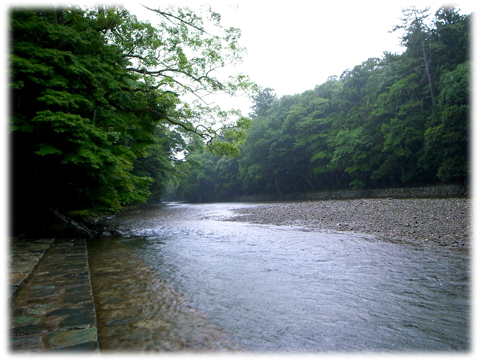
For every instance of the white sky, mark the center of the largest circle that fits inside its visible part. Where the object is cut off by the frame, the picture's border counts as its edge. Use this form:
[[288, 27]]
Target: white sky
[[294, 45]]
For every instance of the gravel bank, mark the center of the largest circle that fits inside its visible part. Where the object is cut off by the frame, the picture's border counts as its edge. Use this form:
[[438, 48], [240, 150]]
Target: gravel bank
[[445, 222]]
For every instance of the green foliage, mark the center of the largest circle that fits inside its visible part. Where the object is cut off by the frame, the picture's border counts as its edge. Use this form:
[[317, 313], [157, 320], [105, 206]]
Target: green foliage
[[400, 120], [97, 117], [446, 139], [262, 101]]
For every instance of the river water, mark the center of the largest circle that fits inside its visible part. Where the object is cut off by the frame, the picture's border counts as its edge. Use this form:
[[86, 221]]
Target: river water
[[286, 289]]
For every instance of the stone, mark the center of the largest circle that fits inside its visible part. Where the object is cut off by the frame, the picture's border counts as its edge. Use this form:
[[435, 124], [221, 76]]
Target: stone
[[25, 320], [151, 324], [47, 291], [91, 346], [59, 339], [55, 304], [77, 298], [66, 312], [29, 329], [81, 320], [16, 312], [120, 321], [41, 309], [18, 275], [78, 289], [26, 344]]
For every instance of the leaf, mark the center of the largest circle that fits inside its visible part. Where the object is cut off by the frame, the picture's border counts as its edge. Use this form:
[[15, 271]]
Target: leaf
[[47, 149]]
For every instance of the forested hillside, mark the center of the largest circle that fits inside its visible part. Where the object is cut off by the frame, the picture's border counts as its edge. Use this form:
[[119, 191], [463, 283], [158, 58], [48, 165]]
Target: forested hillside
[[98, 116], [399, 120]]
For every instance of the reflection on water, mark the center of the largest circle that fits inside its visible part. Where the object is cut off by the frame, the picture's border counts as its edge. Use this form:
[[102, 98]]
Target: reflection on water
[[284, 289], [138, 311]]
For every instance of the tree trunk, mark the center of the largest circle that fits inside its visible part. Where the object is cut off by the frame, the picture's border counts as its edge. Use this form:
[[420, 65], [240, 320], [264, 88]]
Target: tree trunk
[[427, 69]]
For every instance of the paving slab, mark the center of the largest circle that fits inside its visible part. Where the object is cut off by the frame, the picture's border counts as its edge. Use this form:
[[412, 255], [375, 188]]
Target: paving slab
[[52, 308], [24, 257]]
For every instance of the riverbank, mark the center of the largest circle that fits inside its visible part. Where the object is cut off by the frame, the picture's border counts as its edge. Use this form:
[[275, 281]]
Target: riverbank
[[445, 222]]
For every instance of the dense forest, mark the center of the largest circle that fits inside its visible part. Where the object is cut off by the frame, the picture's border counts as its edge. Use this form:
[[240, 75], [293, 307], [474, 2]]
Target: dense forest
[[100, 120], [397, 121], [98, 110]]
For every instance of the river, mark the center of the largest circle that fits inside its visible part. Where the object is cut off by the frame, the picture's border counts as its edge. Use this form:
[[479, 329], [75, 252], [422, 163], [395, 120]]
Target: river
[[288, 289]]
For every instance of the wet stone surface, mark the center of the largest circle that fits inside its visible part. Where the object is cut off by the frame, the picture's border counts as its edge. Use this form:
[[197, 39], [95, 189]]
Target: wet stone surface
[[137, 311], [23, 258], [54, 309]]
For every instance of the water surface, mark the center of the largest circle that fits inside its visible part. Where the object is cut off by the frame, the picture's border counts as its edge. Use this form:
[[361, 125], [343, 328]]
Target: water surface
[[286, 289]]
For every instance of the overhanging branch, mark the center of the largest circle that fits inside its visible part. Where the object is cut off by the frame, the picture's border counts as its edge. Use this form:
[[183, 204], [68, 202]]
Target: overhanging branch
[[167, 15]]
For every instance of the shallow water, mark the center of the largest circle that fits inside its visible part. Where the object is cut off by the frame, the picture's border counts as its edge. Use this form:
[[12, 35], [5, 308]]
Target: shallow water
[[137, 311], [285, 289]]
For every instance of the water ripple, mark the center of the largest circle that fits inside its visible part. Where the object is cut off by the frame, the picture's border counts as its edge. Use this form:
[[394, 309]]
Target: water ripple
[[285, 289]]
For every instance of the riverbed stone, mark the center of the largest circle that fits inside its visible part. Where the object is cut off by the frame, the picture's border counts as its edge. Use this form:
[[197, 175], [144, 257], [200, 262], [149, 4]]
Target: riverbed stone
[[139, 311], [440, 221], [120, 321], [116, 300], [151, 324]]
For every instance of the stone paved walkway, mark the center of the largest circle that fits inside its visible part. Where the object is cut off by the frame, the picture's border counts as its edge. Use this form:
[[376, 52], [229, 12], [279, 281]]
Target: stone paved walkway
[[24, 258], [52, 306]]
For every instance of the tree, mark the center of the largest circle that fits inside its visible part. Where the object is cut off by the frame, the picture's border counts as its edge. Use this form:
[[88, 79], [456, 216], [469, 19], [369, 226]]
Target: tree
[[72, 138], [399, 120], [182, 57], [262, 101], [415, 39], [355, 139], [97, 106], [445, 154], [315, 133], [447, 137]]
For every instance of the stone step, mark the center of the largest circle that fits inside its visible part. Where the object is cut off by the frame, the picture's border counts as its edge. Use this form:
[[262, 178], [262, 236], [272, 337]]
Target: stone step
[[54, 310], [24, 257]]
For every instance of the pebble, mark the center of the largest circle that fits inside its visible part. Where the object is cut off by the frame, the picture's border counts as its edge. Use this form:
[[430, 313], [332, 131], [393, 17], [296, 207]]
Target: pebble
[[388, 219]]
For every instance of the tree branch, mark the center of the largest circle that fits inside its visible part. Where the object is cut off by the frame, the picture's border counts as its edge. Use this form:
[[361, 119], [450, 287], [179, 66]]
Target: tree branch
[[167, 15], [207, 135]]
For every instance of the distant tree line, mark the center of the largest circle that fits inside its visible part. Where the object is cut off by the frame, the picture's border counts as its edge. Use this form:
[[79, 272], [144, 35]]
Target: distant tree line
[[401, 120]]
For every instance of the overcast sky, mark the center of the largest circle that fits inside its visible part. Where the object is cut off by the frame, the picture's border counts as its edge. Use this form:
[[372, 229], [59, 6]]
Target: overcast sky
[[294, 45]]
